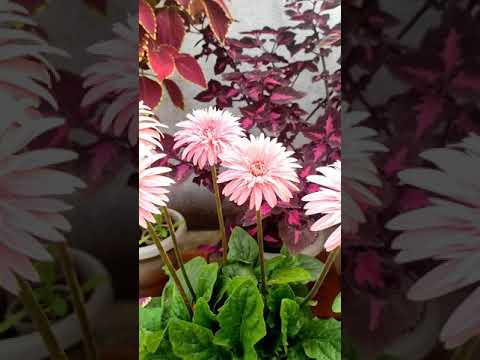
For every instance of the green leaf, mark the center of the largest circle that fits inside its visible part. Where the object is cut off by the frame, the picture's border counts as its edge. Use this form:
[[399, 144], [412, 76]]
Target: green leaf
[[292, 275], [228, 285], [311, 264], [59, 307], [204, 282], [164, 351], [233, 270], [241, 321], [242, 247], [46, 271], [337, 304], [150, 340], [172, 304], [202, 314], [194, 342], [296, 353], [274, 300], [284, 250], [321, 339], [150, 318], [278, 263], [291, 320], [202, 276]]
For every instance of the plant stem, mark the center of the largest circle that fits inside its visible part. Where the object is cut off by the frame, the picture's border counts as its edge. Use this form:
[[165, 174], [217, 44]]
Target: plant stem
[[40, 320], [170, 267], [328, 264], [261, 252], [176, 250], [221, 222], [78, 300]]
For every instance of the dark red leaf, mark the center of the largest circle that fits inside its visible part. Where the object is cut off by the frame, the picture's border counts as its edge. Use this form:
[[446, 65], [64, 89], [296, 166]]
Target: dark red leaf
[[333, 38], [284, 95], [175, 93], [451, 53], [428, 111], [189, 69], [146, 18], [219, 20], [150, 91], [294, 217], [285, 37], [467, 82], [224, 7], [329, 4], [102, 156], [170, 28], [161, 60], [182, 171]]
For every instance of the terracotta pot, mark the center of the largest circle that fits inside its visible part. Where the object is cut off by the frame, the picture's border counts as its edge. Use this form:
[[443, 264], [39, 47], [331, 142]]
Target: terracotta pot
[[150, 263], [328, 292]]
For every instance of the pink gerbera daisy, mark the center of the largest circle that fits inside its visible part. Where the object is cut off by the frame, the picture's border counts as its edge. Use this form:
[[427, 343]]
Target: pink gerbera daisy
[[153, 188], [447, 231], [259, 169], [206, 135], [28, 213], [144, 301], [327, 201], [149, 131]]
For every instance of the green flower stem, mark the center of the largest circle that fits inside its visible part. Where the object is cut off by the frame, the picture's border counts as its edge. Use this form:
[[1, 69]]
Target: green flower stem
[[328, 264], [40, 320], [78, 300], [221, 222], [176, 250], [261, 252], [170, 267]]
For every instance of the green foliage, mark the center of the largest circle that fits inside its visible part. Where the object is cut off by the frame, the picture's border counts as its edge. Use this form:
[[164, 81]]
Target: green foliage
[[51, 294], [231, 318], [337, 304], [321, 339], [161, 229], [194, 342], [291, 320], [241, 321], [242, 247], [202, 314]]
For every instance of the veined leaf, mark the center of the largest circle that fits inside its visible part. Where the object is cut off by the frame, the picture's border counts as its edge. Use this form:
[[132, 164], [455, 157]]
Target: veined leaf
[[241, 321]]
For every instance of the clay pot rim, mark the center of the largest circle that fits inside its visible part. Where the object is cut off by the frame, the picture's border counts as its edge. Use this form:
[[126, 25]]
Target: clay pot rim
[[151, 251]]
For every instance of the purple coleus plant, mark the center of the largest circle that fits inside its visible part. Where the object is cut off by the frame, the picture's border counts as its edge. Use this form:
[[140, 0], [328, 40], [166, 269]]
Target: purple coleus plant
[[257, 76], [430, 103]]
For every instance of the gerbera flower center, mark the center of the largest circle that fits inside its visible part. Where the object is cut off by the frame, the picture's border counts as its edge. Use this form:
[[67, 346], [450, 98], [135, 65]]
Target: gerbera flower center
[[258, 168], [209, 132]]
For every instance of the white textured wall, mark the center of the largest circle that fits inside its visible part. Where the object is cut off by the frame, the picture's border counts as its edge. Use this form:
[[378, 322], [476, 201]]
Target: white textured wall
[[59, 20]]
